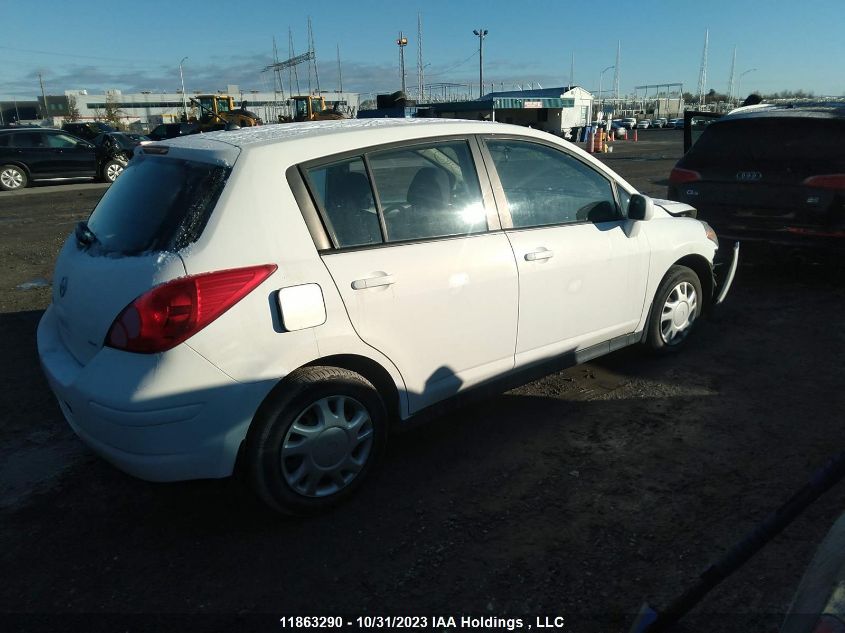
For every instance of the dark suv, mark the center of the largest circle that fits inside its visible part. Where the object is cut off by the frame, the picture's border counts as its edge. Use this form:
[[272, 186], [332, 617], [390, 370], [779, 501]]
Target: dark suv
[[88, 130], [173, 130], [776, 174], [34, 154]]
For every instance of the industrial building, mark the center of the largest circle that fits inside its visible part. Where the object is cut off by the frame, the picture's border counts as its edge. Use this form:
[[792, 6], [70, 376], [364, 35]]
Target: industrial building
[[555, 110], [146, 109]]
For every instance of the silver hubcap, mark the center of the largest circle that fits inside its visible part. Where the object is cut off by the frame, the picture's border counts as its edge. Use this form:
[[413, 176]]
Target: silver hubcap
[[11, 178], [679, 313], [327, 446], [113, 171]]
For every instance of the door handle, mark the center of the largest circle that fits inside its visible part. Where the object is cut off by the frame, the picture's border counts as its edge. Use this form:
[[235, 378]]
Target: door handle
[[539, 254], [372, 282]]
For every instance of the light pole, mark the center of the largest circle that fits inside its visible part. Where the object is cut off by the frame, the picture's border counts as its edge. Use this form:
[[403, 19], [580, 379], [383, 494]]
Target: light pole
[[184, 99], [402, 42], [739, 81], [481, 34], [601, 77]]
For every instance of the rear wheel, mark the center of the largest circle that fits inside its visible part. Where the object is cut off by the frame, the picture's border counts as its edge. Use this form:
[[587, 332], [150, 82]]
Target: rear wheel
[[315, 439], [675, 310], [12, 177], [112, 169]]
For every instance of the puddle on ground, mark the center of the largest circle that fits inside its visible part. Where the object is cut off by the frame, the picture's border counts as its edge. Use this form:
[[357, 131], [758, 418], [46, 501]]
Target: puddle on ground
[[34, 283]]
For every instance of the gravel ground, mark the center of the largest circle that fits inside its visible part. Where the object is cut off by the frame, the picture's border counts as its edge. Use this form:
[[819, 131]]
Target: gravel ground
[[578, 495]]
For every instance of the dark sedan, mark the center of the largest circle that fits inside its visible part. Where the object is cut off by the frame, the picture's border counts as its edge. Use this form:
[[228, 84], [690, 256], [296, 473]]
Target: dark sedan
[[30, 155]]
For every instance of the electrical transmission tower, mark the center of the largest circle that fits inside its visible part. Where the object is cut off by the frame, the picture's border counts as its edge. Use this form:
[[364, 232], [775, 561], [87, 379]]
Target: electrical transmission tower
[[731, 80], [702, 73], [313, 58]]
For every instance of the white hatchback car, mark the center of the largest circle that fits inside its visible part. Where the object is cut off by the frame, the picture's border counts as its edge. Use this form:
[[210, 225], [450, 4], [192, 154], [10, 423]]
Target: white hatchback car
[[279, 296]]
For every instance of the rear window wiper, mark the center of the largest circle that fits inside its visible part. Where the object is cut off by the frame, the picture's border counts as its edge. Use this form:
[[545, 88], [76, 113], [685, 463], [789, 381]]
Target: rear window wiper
[[84, 235]]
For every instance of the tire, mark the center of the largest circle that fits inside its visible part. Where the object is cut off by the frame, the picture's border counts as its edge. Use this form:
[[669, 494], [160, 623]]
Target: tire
[[315, 439], [112, 169], [13, 178], [675, 310]]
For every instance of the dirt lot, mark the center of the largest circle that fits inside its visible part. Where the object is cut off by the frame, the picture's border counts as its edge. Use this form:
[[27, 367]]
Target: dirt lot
[[579, 495]]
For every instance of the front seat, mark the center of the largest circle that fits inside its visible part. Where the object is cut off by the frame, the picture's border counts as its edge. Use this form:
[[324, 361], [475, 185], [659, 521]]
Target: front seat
[[428, 195]]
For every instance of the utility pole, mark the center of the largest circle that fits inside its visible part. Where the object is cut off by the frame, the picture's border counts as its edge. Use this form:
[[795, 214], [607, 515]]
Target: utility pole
[[402, 42], [481, 34], [313, 58], [616, 72], [184, 98], [43, 95], [420, 77], [339, 71], [572, 70]]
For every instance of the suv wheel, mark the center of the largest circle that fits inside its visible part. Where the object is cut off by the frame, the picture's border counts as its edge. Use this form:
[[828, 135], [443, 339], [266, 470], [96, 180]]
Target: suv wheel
[[314, 439], [12, 177], [675, 310]]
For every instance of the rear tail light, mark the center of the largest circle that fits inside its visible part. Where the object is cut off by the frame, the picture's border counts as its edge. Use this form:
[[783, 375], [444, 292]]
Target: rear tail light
[[826, 181], [168, 314], [679, 176]]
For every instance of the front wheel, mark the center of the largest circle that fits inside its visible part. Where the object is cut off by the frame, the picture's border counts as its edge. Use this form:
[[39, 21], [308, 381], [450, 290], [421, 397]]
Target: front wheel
[[675, 311], [12, 177], [315, 439], [112, 169]]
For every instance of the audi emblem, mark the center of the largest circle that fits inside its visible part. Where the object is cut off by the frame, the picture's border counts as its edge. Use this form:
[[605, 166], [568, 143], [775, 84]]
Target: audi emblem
[[748, 176]]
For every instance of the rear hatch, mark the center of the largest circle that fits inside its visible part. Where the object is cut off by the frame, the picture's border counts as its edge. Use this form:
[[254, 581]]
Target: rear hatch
[[159, 205], [757, 173]]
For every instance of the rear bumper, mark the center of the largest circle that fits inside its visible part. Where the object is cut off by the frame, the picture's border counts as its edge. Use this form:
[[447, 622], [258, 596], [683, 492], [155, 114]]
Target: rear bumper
[[159, 417]]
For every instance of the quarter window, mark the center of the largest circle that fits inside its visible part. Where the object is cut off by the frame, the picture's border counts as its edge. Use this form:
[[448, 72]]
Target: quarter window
[[544, 186], [428, 191]]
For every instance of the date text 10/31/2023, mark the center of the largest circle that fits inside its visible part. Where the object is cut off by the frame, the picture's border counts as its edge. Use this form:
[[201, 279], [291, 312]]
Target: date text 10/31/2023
[[422, 622]]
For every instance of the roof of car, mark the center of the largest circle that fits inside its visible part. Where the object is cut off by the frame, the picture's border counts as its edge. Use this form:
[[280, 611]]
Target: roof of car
[[834, 111], [401, 128]]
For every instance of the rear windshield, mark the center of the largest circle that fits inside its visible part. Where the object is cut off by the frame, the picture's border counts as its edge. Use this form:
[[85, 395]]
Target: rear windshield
[[795, 139], [157, 204]]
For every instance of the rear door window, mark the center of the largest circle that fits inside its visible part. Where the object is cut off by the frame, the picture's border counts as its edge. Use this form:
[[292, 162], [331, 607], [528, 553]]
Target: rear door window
[[158, 203], [428, 191], [28, 140], [420, 192]]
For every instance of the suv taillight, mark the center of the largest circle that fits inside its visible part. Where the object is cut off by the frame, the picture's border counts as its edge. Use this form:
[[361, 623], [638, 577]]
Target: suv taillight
[[679, 176], [826, 181], [163, 317]]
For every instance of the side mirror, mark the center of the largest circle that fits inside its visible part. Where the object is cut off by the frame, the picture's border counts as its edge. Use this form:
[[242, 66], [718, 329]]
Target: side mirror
[[231, 126], [640, 208]]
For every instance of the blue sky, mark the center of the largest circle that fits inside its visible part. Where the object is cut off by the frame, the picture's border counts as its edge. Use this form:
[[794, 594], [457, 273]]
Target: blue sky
[[137, 46]]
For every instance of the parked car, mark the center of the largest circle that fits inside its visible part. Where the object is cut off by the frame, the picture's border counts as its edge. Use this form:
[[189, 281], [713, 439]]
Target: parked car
[[629, 123], [677, 124], [284, 295], [173, 130], [659, 123], [644, 124], [776, 175], [117, 145], [30, 155], [88, 130]]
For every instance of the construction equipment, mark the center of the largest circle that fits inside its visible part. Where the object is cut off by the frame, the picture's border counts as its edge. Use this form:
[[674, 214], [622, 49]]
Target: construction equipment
[[311, 108], [219, 111]]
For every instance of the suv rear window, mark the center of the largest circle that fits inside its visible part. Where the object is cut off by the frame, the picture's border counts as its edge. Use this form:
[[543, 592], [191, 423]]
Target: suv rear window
[[157, 204], [794, 139]]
